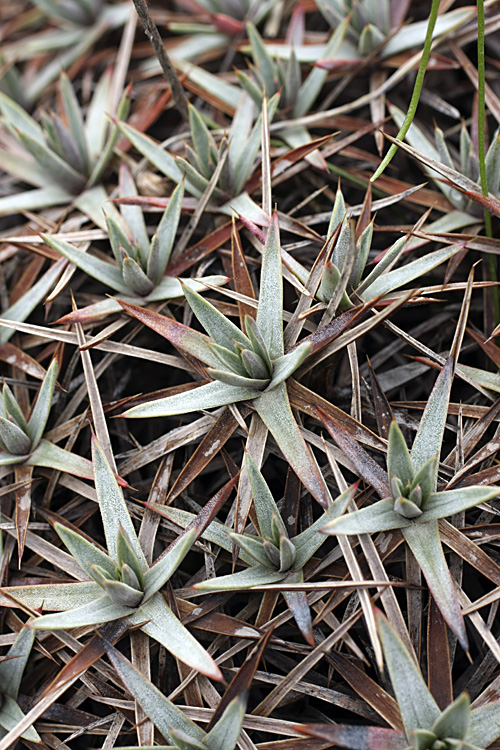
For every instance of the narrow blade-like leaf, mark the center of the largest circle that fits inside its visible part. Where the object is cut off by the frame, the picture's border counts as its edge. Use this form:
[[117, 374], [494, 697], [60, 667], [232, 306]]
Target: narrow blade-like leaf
[[274, 409], [425, 544], [162, 625], [41, 410], [99, 611], [270, 309]]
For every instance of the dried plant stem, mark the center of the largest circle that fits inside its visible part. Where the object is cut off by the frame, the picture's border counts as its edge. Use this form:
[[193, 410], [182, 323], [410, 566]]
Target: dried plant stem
[[481, 149], [152, 33], [417, 89]]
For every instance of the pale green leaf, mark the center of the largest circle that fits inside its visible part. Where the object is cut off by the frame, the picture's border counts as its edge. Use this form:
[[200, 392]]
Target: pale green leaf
[[375, 518], [51, 456], [444, 504], [162, 625], [164, 567], [54, 597], [41, 410], [75, 119], [270, 309], [57, 170], [241, 381], [455, 719], [399, 276], [112, 505], [429, 437], [11, 670], [418, 708], [99, 611], [207, 396], [14, 438], [484, 724], [224, 735], [11, 715], [253, 547], [99, 269], [313, 84], [19, 119], [257, 575], [163, 713], [24, 306], [423, 539], [96, 122], [398, 457], [262, 59], [85, 553], [161, 159], [166, 232], [220, 328], [264, 503], [284, 366], [274, 409]]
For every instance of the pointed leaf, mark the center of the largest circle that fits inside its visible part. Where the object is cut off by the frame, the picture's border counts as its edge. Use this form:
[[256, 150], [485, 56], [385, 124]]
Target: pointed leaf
[[179, 335], [85, 553], [220, 328], [444, 504], [297, 603], [11, 715], [11, 670], [264, 503], [41, 410], [166, 232], [418, 708], [135, 279], [207, 396], [274, 409], [255, 548], [284, 366], [241, 381], [53, 457], [57, 170], [15, 440], [163, 713], [257, 575], [10, 408], [224, 735], [161, 159], [165, 566], [99, 269], [270, 309], [75, 119], [423, 539], [162, 625], [429, 437], [398, 457], [99, 611], [112, 505], [455, 719], [376, 518]]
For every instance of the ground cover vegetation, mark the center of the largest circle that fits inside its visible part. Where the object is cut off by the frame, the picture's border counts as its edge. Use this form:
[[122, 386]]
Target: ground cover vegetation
[[249, 416]]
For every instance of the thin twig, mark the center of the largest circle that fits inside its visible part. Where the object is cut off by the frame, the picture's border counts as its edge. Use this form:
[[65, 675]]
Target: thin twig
[[152, 33]]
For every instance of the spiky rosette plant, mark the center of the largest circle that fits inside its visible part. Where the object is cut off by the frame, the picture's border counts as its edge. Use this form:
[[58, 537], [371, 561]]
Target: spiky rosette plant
[[217, 171], [65, 155], [344, 277], [426, 727], [410, 500], [138, 274], [243, 365], [271, 556], [121, 582], [21, 438], [467, 163], [371, 25]]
